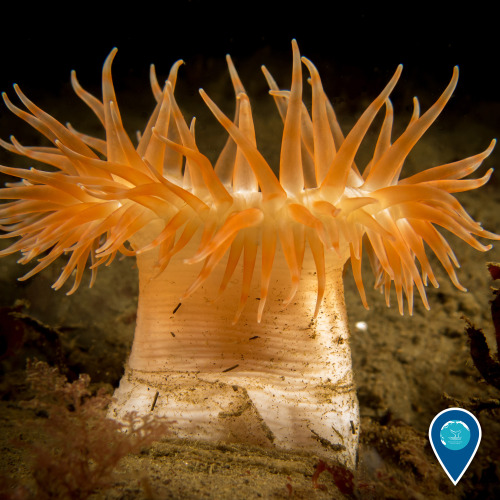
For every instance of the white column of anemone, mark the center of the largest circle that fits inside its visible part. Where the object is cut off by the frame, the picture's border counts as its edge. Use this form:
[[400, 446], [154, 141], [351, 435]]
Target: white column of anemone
[[286, 381]]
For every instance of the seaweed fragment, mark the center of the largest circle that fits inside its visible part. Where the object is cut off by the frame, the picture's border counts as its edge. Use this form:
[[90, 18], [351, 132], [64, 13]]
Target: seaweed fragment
[[78, 448], [486, 362]]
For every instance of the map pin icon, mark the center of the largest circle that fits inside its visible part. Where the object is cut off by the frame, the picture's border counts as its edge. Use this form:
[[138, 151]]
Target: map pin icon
[[455, 435]]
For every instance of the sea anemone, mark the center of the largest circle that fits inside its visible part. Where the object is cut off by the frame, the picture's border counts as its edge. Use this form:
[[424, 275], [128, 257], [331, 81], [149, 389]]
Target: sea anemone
[[275, 370]]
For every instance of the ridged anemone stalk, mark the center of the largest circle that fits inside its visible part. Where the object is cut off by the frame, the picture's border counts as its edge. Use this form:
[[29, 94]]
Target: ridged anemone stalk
[[266, 361]]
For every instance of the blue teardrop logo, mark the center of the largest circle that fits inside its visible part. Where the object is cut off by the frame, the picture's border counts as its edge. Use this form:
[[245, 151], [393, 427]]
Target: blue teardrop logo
[[455, 435]]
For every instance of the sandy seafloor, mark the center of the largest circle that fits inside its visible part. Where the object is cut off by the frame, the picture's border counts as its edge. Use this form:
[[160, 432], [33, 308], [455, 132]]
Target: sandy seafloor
[[403, 365]]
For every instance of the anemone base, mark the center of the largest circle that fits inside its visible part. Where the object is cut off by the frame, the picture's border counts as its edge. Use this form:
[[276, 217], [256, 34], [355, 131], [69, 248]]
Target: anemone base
[[265, 411]]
